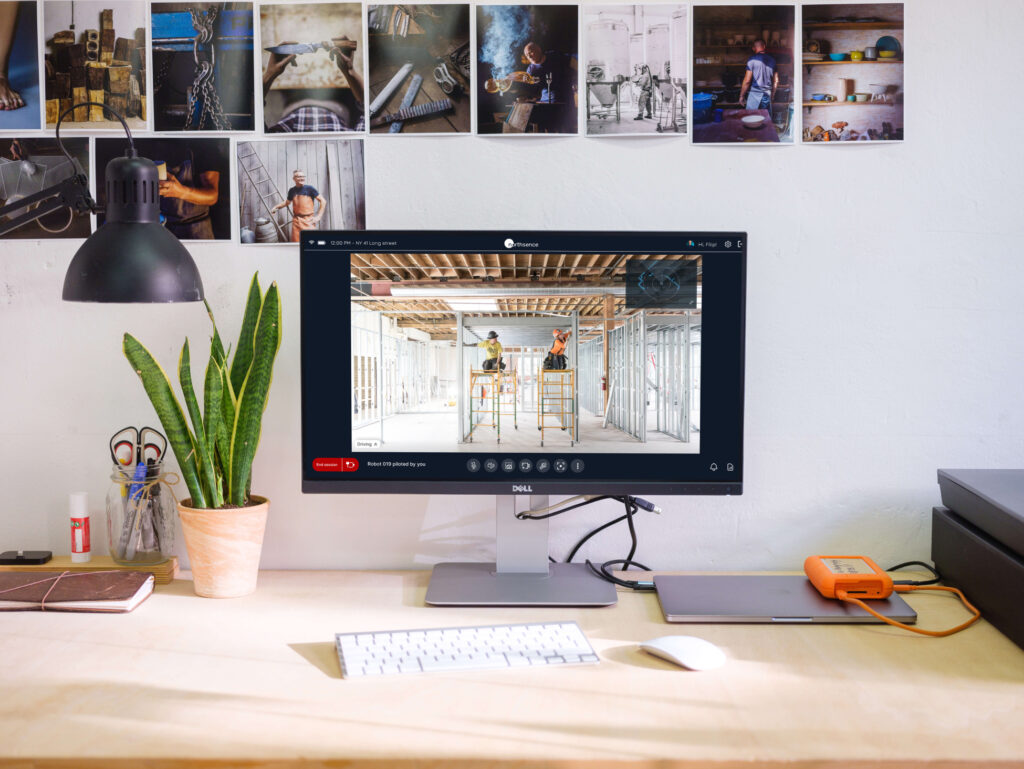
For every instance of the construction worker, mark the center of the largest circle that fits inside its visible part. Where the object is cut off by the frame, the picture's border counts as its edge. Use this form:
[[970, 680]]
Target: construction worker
[[556, 355], [492, 347]]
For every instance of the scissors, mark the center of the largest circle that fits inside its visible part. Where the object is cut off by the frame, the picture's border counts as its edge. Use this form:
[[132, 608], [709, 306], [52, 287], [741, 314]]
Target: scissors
[[130, 446]]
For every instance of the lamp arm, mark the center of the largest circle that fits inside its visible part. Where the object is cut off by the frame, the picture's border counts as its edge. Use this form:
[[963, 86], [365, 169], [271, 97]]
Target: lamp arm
[[72, 193]]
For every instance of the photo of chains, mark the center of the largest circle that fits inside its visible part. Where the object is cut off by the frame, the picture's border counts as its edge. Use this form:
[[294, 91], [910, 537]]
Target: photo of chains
[[203, 66]]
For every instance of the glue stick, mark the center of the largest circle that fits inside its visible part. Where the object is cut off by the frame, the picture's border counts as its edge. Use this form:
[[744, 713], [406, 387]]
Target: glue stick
[[78, 507]]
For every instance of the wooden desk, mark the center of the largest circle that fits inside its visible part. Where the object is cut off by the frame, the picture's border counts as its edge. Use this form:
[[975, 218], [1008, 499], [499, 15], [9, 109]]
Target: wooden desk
[[186, 681]]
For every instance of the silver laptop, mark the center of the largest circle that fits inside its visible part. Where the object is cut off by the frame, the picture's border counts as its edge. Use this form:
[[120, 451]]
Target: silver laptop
[[762, 598]]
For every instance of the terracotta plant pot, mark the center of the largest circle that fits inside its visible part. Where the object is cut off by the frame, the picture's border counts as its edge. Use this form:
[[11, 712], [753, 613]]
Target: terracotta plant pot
[[224, 547]]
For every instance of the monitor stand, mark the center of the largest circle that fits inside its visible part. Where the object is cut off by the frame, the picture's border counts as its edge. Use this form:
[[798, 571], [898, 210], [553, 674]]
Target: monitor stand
[[523, 575]]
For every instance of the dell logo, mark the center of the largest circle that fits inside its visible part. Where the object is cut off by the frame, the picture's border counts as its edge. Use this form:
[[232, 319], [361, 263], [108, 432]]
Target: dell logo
[[521, 489], [509, 242]]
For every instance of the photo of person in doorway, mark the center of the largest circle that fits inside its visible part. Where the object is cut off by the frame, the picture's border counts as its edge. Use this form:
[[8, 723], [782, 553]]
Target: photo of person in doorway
[[306, 203]]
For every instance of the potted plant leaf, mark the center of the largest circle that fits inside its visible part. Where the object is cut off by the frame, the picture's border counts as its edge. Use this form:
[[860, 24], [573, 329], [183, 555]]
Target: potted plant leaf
[[222, 522]]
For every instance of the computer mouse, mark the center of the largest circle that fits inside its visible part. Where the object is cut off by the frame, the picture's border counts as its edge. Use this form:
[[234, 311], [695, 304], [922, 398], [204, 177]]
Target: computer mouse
[[686, 651]]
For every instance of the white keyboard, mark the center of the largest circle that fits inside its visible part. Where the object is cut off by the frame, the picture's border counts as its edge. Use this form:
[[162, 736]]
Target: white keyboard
[[463, 648]]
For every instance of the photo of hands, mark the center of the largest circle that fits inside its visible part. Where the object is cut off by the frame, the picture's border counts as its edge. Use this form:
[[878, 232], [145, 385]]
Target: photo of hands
[[195, 192], [312, 85]]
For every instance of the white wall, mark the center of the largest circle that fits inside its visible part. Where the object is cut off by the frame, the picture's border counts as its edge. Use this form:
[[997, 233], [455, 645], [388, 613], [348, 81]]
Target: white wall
[[884, 326]]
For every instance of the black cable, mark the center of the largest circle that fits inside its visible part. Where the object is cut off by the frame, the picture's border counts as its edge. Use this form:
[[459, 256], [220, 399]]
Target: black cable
[[932, 569], [527, 516], [114, 112], [603, 572]]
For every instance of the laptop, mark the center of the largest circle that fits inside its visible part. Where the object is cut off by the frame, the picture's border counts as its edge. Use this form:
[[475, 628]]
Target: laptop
[[791, 600]]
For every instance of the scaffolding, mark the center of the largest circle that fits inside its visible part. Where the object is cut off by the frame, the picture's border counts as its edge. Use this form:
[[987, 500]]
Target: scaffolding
[[492, 395], [557, 406]]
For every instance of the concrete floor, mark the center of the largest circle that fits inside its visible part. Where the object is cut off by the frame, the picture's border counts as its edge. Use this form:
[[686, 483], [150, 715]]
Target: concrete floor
[[433, 432]]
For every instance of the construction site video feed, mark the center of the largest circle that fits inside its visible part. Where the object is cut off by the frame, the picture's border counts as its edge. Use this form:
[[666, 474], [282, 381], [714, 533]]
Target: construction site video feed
[[537, 353]]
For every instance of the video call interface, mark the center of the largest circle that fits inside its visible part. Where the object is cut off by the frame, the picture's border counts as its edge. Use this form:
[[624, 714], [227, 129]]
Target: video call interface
[[546, 357]]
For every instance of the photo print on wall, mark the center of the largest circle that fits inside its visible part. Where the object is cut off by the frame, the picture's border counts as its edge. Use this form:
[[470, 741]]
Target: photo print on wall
[[743, 74], [636, 63], [95, 52], [32, 164], [312, 85], [288, 186], [419, 68], [203, 66], [19, 66], [194, 188], [527, 69], [853, 72]]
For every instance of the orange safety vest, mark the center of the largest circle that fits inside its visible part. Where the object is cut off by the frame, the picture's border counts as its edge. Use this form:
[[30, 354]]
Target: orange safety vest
[[558, 348]]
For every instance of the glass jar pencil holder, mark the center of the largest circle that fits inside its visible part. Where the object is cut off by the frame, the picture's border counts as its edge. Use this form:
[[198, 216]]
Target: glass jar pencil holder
[[140, 515]]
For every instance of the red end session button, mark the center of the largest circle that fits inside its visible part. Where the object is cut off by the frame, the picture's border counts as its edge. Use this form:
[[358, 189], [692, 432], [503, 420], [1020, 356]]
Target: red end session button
[[335, 464]]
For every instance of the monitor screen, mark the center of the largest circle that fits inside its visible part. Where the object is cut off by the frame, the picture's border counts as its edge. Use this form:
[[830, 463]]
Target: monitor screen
[[522, 362]]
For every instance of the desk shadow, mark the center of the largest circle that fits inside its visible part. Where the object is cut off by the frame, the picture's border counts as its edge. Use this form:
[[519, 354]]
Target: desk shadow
[[629, 654], [320, 655]]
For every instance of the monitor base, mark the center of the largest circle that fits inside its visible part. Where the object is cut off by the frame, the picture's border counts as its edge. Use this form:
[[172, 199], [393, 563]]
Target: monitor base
[[478, 584]]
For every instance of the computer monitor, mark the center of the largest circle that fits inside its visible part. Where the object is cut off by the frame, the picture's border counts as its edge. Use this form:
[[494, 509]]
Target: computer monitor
[[522, 364]]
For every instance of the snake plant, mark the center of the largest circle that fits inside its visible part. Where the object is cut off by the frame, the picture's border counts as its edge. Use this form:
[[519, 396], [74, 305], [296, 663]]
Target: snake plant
[[215, 445]]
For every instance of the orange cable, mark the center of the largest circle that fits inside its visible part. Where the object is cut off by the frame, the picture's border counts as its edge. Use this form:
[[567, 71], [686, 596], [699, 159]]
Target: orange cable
[[842, 596]]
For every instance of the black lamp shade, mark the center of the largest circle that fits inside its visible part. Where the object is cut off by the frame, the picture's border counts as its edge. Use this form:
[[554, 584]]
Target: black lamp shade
[[131, 257]]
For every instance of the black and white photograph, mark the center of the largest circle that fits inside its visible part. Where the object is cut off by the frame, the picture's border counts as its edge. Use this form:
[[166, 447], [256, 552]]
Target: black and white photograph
[[288, 186], [31, 164], [194, 182], [636, 63], [527, 69], [95, 52], [420, 69], [312, 67], [203, 77]]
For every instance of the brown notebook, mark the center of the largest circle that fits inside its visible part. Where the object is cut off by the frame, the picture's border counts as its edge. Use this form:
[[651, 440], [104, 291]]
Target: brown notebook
[[103, 591]]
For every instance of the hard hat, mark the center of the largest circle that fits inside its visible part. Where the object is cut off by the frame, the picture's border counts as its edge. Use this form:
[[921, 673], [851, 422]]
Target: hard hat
[[556, 332], [492, 334]]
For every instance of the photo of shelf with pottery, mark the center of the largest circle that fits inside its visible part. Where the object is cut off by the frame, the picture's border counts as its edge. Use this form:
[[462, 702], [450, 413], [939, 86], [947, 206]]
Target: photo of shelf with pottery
[[853, 59]]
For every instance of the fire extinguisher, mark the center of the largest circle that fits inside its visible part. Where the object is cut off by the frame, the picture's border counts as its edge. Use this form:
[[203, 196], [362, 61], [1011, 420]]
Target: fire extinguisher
[[604, 383]]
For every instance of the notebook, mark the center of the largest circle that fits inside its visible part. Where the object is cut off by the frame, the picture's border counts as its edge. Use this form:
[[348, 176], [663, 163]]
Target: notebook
[[96, 591], [763, 598]]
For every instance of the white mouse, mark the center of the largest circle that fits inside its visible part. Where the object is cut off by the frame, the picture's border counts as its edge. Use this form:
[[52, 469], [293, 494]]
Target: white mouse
[[686, 651]]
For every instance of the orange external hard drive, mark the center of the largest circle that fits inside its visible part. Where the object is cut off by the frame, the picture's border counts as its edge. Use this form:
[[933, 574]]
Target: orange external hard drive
[[855, 575]]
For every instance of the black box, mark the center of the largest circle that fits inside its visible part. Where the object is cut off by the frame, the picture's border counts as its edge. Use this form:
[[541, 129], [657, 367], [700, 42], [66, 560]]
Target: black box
[[989, 573], [992, 500]]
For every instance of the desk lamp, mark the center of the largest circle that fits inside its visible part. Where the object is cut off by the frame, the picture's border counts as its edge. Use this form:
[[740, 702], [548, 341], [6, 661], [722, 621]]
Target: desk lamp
[[131, 257]]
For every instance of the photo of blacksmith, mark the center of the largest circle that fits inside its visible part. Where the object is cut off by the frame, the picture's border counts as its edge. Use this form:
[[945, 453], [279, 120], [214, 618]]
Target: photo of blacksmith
[[287, 186], [419, 69], [312, 67], [527, 69], [306, 203], [194, 189]]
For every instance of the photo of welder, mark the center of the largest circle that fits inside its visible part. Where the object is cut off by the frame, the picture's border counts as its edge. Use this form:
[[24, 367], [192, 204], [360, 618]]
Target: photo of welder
[[32, 164], [312, 61], [95, 52], [203, 66], [288, 186], [19, 66], [527, 69], [194, 188], [419, 69], [635, 74]]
